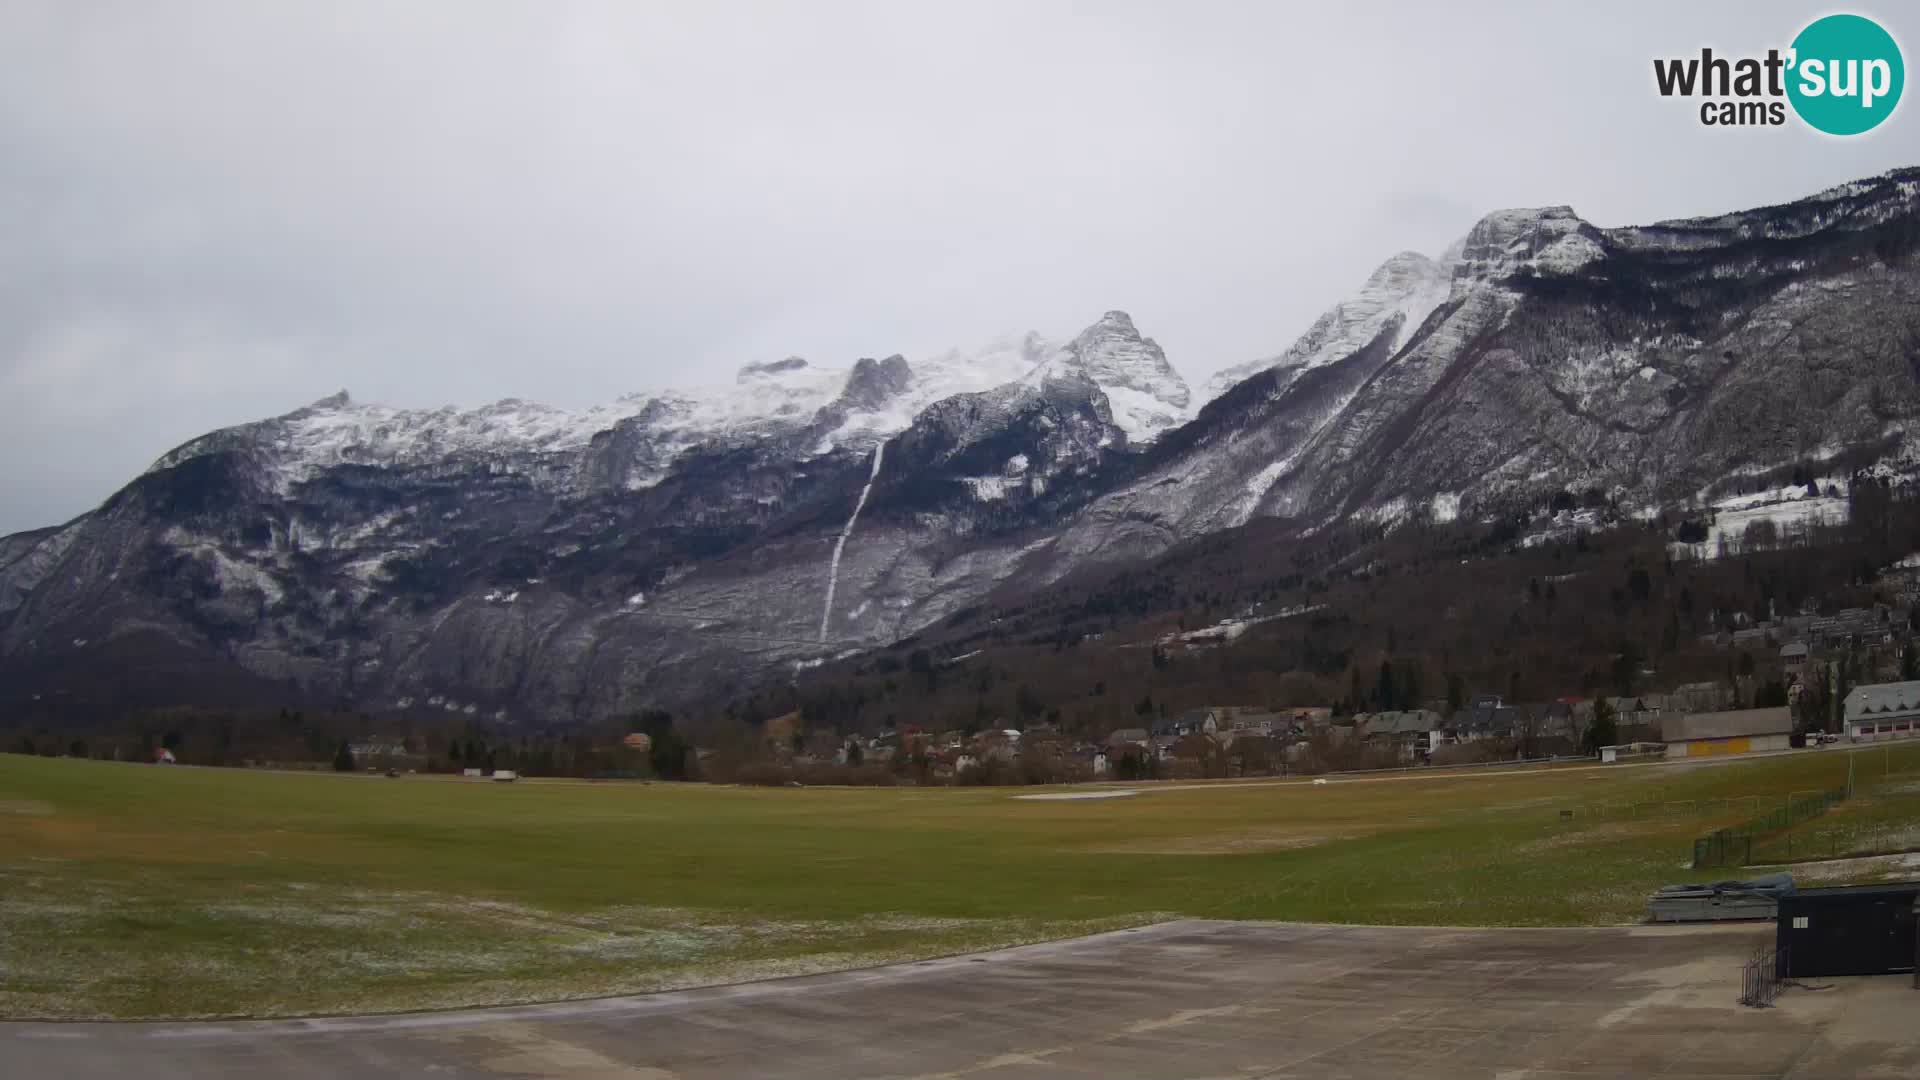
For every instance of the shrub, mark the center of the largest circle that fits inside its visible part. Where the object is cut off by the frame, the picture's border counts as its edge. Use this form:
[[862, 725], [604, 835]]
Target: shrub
[[845, 775], [992, 771], [763, 774]]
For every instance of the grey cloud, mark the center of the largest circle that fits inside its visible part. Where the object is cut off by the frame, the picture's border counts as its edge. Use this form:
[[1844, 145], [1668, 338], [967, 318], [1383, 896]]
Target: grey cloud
[[218, 211]]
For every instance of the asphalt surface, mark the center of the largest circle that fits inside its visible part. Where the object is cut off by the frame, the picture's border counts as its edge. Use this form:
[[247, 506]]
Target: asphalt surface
[[1181, 999]]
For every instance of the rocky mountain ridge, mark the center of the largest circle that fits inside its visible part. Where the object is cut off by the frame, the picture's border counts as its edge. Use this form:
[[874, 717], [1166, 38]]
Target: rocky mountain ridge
[[527, 564]]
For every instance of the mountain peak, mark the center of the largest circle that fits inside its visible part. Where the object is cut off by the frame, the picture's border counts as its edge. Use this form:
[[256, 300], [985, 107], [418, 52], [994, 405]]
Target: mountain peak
[[765, 368], [875, 382], [1401, 270], [1551, 239], [1147, 394], [337, 400], [1407, 287]]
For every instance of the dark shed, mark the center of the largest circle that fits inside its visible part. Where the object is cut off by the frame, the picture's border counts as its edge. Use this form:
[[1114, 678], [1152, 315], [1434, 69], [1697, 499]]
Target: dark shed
[[1850, 930]]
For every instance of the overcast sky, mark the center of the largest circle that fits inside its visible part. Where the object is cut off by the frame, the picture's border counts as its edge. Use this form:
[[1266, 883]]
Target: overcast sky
[[214, 212]]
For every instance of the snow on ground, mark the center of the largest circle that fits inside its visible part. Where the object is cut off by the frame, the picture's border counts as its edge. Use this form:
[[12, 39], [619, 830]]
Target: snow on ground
[[1790, 509], [1258, 485], [1063, 796], [232, 574], [1391, 512], [1854, 871], [989, 488], [1562, 525], [1142, 415], [1784, 494], [1006, 359], [1227, 630], [1567, 254]]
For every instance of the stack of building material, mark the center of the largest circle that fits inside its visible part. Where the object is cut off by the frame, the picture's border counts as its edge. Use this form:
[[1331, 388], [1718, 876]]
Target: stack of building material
[[1756, 899]]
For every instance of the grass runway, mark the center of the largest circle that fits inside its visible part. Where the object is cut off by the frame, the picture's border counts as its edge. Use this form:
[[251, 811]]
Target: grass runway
[[135, 891]]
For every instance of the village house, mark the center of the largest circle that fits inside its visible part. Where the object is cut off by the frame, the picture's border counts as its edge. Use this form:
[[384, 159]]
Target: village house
[[1558, 724], [1698, 697], [1414, 732], [1190, 722], [1091, 756], [1635, 718], [1793, 660], [1045, 745], [1488, 718], [997, 744], [1257, 722], [1867, 626]]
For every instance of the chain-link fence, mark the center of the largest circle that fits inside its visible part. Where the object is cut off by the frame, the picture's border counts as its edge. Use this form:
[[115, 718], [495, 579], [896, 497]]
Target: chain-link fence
[[1738, 845]]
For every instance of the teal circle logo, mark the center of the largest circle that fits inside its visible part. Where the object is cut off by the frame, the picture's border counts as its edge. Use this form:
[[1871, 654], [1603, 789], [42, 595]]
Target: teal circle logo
[[1846, 76]]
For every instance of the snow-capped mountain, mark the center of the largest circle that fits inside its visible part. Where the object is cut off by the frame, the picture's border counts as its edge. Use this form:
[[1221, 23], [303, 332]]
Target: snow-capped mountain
[[1650, 363], [826, 408], [1398, 296], [1147, 396], [526, 563]]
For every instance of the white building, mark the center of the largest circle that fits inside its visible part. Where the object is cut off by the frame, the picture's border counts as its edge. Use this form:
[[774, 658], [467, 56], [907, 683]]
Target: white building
[[1883, 711]]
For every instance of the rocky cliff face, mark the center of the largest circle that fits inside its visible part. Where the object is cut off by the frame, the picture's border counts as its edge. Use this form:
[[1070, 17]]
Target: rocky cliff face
[[526, 564]]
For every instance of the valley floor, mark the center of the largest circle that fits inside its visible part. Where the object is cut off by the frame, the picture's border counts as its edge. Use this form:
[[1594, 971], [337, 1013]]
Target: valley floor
[[132, 891]]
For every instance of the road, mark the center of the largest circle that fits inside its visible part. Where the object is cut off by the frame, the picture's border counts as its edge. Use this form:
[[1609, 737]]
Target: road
[[1182, 999]]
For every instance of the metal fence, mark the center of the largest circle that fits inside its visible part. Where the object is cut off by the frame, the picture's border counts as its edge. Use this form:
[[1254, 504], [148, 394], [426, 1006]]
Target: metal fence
[[1719, 806], [1734, 845], [1761, 978], [1839, 841]]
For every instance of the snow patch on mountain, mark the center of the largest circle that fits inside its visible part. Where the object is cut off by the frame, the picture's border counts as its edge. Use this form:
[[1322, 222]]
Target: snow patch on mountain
[[1789, 509], [1146, 394], [990, 488], [859, 407], [1004, 360], [1550, 239], [1408, 287]]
